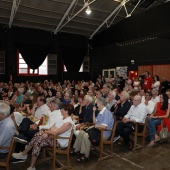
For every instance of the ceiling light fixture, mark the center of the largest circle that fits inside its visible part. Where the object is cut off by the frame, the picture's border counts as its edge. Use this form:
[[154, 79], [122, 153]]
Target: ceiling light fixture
[[88, 10]]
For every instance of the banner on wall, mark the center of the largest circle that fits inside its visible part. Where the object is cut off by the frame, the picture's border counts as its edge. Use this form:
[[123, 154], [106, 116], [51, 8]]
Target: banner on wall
[[122, 71]]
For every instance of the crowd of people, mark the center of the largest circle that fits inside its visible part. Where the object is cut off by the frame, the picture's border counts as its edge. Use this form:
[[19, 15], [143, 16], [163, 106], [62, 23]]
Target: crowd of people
[[33, 111]]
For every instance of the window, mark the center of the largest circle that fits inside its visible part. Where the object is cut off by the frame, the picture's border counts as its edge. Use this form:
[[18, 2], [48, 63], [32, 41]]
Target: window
[[23, 68], [81, 68]]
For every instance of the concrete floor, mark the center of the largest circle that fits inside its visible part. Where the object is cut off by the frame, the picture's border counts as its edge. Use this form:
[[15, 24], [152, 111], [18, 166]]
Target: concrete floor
[[157, 158]]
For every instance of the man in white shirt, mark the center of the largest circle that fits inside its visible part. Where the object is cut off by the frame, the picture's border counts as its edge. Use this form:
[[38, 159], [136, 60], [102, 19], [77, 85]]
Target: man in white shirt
[[137, 113], [38, 110], [150, 105], [55, 116], [155, 98]]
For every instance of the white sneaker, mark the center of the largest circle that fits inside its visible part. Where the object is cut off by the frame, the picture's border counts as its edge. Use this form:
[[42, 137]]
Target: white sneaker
[[19, 156], [19, 140], [116, 138], [30, 168]]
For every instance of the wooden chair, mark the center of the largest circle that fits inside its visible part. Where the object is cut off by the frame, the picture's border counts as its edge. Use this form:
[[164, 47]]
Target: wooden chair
[[53, 150], [140, 134], [100, 148], [5, 162]]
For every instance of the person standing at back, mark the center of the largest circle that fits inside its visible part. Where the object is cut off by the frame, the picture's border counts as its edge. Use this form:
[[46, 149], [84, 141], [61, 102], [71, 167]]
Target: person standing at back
[[147, 81]]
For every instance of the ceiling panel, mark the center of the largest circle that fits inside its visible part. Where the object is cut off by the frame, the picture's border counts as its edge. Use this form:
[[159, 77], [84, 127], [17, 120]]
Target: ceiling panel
[[46, 14]]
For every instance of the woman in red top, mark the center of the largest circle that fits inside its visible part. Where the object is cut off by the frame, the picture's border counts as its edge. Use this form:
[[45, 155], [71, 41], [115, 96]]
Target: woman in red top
[[161, 111]]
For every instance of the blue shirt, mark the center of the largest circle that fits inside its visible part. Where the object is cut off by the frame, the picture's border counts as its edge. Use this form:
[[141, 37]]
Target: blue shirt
[[66, 101], [105, 118], [7, 130], [19, 99]]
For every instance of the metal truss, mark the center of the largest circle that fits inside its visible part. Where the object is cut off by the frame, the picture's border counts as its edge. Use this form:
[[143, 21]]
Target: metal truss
[[60, 26], [15, 6]]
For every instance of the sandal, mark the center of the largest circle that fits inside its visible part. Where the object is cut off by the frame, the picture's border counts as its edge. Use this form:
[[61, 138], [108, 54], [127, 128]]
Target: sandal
[[83, 159], [157, 139]]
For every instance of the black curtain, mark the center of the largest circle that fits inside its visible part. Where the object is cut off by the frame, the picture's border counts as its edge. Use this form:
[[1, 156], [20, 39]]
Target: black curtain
[[72, 49], [34, 55], [73, 57], [34, 45]]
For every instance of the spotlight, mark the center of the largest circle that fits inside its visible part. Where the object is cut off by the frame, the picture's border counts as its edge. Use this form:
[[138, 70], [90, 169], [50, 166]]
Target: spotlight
[[88, 10]]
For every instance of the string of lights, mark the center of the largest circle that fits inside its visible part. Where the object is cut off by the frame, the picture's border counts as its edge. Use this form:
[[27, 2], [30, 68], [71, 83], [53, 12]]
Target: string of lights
[[136, 41]]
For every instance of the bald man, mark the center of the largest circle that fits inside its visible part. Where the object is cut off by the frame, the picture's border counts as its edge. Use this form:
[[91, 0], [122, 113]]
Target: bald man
[[137, 113]]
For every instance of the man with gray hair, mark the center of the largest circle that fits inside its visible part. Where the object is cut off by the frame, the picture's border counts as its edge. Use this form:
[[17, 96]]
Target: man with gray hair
[[122, 106], [19, 98], [137, 113], [7, 128], [111, 100], [103, 120], [55, 116], [86, 111], [155, 98]]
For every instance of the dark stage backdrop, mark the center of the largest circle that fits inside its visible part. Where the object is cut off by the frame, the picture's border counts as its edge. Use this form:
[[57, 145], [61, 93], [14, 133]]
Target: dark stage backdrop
[[144, 38], [34, 45]]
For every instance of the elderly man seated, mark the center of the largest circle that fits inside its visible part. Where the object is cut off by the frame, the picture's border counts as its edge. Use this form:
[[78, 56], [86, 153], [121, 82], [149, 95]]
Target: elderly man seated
[[85, 112], [137, 113], [40, 108], [111, 100], [7, 127], [103, 120]]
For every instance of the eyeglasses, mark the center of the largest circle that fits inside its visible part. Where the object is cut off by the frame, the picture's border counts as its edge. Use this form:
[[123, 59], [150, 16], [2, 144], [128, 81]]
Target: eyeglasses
[[66, 96]]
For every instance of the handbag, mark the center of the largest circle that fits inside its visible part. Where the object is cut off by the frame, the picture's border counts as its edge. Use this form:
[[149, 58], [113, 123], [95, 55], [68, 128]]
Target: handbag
[[163, 133], [94, 136]]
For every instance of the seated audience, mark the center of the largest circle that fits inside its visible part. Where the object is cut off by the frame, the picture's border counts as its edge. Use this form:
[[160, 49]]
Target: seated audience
[[111, 100], [38, 110], [103, 120], [168, 93], [67, 97], [122, 106], [60, 95], [150, 106], [7, 128], [43, 139], [155, 98], [105, 91], [142, 94], [155, 119], [18, 100], [85, 112], [137, 113]]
